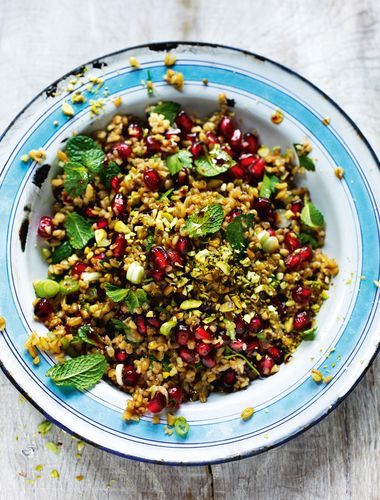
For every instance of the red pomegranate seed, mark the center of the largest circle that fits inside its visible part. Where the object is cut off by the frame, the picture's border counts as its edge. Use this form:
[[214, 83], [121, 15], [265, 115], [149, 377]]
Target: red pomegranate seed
[[135, 130], [246, 160], [226, 127], [203, 349], [121, 356], [211, 138], [101, 224], [301, 294], [153, 145], [240, 326], [191, 138], [234, 213], [141, 325], [237, 172], [182, 335], [173, 132], [301, 321], [292, 261], [257, 169], [129, 375], [158, 274], [228, 378], [118, 204], [181, 178], [90, 213], [183, 245], [115, 183], [253, 345], [43, 308], [256, 324], [175, 397], [296, 207], [227, 149], [238, 345], [276, 354], [202, 334], [208, 361], [263, 206], [123, 150], [157, 403], [196, 149], [152, 179], [78, 268], [271, 232], [250, 143], [291, 241], [175, 257], [187, 355], [100, 256], [119, 245], [235, 140], [265, 366], [45, 227], [305, 253], [159, 257], [184, 122], [154, 322]]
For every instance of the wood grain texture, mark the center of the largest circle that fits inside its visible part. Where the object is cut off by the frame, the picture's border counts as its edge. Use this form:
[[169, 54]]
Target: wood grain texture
[[336, 45]]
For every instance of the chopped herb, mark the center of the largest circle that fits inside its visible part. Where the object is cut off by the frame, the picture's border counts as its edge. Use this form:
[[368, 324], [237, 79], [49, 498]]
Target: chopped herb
[[81, 372], [268, 185], [307, 239], [76, 178], [169, 109], [236, 229], [79, 230], [214, 163], [62, 252], [93, 160], [149, 242], [149, 85], [78, 145], [108, 172], [115, 293], [44, 427], [133, 299], [309, 334], [311, 216], [181, 426], [83, 334], [208, 221], [166, 194], [236, 354], [178, 161], [304, 159]]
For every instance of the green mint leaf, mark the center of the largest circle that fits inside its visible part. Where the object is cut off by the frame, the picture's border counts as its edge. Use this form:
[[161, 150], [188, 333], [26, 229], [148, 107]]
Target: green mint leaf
[[81, 372], [116, 294], [304, 159], [235, 232], [79, 230], [76, 146], [207, 221], [308, 239], [169, 109], [119, 325], [311, 216], [309, 334], [135, 299], [268, 185], [76, 179], [166, 194], [64, 251], [93, 160], [83, 334], [178, 161], [131, 335], [214, 163], [108, 172]]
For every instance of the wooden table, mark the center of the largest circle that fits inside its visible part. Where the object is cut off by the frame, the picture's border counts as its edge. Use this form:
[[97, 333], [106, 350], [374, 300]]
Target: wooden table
[[336, 45]]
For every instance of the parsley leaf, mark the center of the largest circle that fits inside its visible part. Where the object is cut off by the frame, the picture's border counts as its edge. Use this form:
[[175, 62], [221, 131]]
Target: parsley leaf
[[108, 172], [167, 194], [76, 147], [214, 163], [169, 109], [311, 216], [76, 179], [268, 185], [133, 299], [178, 161], [308, 239], [236, 229], [81, 372], [115, 293], [83, 334], [93, 160], [62, 252], [207, 221], [79, 230], [304, 159]]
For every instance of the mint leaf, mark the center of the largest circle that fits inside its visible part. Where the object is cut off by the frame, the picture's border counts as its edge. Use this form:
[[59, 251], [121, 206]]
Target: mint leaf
[[62, 252], [207, 221], [268, 185], [308, 239], [214, 163], [114, 293], [83, 334], [169, 109], [309, 334], [108, 172], [76, 146], [81, 372], [235, 232], [166, 194], [311, 216], [76, 179], [135, 299], [79, 230], [304, 159], [93, 160], [178, 161]]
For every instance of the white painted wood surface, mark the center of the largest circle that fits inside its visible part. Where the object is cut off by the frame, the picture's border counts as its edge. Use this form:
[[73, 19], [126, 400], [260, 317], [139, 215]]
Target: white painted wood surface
[[333, 43]]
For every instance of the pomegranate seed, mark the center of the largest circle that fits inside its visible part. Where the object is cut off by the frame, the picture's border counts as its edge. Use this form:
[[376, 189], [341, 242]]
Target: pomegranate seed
[[202, 334], [115, 183], [296, 207], [141, 324], [237, 172], [301, 295], [238, 345], [211, 138], [135, 130], [291, 242], [183, 245], [153, 145], [292, 261], [253, 345], [234, 213], [240, 326], [43, 308], [118, 204], [256, 324], [175, 397], [191, 138], [184, 122], [90, 213], [263, 206], [159, 257], [187, 355], [276, 354], [305, 253], [196, 149], [301, 321], [123, 150], [158, 274], [203, 349], [172, 133], [101, 224], [246, 160], [226, 127], [45, 227], [119, 245], [100, 256], [265, 366], [152, 179], [227, 149], [182, 335], [271, 232], [154, 322], [121, 356], [157, 403], [130, 376], [228, 378], [235, 140], [257, 168], [208, 361], [250, 143], [175, 257], [78, 268], [181, 178]]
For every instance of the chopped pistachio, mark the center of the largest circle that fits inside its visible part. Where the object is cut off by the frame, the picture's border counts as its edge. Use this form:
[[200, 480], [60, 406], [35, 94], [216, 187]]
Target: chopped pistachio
[[67, 109], [247, 413], [190, 304]]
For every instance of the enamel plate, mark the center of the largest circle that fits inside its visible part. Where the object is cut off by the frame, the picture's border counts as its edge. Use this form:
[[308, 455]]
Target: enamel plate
[[348, 324]]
